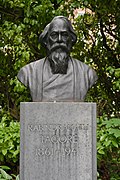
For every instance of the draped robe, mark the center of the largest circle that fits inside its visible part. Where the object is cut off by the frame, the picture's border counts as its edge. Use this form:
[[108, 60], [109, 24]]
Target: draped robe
[[45, 86]]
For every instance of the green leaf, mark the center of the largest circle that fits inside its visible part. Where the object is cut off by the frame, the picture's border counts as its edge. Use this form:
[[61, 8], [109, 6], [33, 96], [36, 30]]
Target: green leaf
[[4, 151], [1, 140], [100, 151], [5, 175], [107, 143], [16, 153], [102, 138], [116, 132], [114, 143], [115, 121], [17, 178], [108, 123], [5, 167]]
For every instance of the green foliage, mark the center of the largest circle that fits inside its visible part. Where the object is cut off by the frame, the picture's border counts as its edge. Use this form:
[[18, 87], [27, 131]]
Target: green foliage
[[5, 176], [108, 138], [22, 22], [98, 31], [98, 44], [9, 140]]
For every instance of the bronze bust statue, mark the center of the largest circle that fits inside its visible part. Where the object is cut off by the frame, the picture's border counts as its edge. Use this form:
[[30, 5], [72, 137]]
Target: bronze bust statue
[[58, 77]]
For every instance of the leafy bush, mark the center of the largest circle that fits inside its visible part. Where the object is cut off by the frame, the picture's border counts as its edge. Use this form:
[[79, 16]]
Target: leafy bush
[[98, 45], [9, 139], [5, 176], [108, 138]]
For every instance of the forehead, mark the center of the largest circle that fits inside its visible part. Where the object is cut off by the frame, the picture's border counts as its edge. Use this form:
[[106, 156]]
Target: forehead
[[59, 25]]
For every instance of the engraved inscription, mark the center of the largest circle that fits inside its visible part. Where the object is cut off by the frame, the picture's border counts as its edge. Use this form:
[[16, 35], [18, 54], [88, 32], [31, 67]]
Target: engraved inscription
[[54, 127], [49, 152], [57, 139]]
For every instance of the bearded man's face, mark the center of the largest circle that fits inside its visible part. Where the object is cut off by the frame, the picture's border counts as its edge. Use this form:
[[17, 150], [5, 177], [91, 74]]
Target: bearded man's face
[[59, 45]]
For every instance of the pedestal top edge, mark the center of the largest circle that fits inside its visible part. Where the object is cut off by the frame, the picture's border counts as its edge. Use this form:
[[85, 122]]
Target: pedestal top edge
[[26, 103]]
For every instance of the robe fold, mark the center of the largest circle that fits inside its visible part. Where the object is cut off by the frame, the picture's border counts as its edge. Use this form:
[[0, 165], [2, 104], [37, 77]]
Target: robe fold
[[45, 86]]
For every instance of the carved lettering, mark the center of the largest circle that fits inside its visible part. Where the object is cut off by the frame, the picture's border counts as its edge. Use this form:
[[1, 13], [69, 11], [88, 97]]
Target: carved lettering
[[57, 139], [54, 139], [52, 152], [62, 139], [55, 127]]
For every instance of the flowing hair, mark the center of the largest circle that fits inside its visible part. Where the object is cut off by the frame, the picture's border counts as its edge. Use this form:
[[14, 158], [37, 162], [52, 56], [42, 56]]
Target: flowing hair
[[44, 34]]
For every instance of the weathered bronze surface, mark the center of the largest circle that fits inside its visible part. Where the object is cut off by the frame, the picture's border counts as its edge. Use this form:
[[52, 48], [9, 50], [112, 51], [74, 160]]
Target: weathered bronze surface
[[58, 77]]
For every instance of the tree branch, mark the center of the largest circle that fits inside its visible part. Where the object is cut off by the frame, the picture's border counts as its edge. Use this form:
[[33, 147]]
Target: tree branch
[[103, 36], [113, 35]]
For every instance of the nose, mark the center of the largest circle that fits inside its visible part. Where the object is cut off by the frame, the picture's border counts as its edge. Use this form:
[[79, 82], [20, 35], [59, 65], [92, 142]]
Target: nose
[[59, 37]]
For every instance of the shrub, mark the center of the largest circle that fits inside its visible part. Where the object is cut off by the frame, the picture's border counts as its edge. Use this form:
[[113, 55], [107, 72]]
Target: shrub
[[9, 139], [108, 142]]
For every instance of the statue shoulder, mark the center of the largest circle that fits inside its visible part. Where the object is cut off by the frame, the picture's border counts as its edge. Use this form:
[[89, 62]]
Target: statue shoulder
[[34, 64], [89, 73], [80, 64], [27, 71]]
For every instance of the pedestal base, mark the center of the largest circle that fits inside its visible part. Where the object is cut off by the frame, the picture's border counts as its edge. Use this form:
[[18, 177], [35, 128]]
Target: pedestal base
[[58, 141]]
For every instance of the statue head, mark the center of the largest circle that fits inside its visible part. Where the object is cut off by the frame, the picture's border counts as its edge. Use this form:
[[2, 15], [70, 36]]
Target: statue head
[[58, 38]]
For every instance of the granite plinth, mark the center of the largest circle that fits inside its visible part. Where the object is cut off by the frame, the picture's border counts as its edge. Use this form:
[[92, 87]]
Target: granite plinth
[[58, 141]]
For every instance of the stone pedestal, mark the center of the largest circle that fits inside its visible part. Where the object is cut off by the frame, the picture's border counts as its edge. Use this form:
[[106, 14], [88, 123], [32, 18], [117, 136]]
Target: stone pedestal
[[58, 141]]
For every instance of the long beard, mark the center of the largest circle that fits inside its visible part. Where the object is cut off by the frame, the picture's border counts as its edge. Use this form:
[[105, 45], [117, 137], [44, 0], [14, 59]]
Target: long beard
[[59, 61]]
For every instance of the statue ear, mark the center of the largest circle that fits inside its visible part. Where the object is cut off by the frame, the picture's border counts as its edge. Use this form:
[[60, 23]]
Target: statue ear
[[43, 40], [74, 39], [43, 36]]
